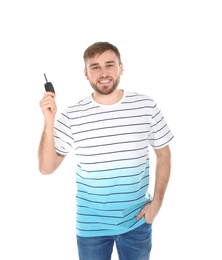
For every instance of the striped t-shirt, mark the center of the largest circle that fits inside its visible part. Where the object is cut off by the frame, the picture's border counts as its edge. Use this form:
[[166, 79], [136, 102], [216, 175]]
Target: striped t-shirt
[[111, 143]]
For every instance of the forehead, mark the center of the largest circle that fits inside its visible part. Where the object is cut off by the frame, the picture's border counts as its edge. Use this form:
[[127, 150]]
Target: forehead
[[105, 57]]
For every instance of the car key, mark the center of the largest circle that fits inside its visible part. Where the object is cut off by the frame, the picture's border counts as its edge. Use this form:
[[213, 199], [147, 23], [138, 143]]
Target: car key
[[48, 85]]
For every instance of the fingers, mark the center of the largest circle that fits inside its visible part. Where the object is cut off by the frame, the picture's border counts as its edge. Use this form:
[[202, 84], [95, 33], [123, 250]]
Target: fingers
[[47, 103], [149, 212], [141, 214]]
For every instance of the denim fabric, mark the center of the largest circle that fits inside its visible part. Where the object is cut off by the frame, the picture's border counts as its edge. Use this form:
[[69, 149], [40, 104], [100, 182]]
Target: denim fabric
[[133, 245]]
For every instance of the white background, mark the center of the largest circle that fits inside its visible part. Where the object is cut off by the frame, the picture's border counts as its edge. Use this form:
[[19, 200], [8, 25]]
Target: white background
[[172, 51]]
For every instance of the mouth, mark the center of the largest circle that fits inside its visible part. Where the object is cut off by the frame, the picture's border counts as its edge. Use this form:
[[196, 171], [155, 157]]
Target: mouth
[[104, 81]]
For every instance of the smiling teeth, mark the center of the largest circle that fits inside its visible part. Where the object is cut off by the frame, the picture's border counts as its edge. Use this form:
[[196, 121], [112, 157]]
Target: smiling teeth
[[104, 81]]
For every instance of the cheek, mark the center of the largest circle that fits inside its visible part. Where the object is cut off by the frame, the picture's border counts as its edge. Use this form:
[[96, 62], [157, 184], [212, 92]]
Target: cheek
[[92, 75]]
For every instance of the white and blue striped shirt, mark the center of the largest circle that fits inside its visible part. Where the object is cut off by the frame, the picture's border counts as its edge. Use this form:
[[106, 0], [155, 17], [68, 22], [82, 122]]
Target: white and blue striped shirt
[[111, 144]]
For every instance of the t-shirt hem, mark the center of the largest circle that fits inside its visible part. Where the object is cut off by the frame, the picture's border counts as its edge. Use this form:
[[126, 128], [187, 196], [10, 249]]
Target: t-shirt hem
[[110, 232]]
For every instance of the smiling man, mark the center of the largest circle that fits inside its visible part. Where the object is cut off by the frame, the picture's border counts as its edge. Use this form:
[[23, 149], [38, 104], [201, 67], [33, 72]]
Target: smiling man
[[111, 132], [103, 72]]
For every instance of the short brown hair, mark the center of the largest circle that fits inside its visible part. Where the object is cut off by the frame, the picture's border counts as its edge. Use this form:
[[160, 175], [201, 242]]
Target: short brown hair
[[98, 48]]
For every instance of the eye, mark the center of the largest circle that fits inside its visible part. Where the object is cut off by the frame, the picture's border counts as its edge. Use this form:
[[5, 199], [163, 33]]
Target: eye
[[95, 67]]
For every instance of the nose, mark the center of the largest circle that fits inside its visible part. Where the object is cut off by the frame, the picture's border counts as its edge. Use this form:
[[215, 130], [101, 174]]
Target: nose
[[103, 72]]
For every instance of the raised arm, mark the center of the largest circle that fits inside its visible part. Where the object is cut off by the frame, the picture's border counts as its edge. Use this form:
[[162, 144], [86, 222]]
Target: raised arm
[[49, 160]]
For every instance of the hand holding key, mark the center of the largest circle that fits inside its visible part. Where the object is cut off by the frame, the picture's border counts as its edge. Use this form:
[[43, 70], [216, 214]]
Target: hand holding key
[[47, 103]]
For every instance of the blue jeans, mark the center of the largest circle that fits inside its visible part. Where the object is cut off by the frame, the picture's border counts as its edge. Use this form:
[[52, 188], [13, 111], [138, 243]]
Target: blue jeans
[[134, 245]]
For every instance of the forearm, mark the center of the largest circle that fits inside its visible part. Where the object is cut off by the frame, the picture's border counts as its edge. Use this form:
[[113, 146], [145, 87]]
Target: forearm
[[163, 168], [47, 154]]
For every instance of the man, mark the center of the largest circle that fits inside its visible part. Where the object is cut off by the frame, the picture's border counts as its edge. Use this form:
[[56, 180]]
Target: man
[[111, 132]]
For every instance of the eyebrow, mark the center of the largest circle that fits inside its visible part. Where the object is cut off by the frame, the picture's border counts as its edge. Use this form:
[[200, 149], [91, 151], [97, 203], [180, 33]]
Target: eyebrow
[[107, 62]]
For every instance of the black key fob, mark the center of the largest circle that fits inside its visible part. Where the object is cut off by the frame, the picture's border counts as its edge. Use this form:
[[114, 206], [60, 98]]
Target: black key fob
[[48, 86]]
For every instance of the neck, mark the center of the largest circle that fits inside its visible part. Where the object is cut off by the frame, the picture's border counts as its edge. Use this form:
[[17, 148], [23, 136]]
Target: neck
[[109, 99]]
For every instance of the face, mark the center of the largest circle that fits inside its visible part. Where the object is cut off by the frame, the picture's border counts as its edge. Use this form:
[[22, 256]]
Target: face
[[103, 72]]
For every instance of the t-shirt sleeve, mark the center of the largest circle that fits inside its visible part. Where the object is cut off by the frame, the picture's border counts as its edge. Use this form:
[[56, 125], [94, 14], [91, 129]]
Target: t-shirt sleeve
[[64, 141], [160, 134]]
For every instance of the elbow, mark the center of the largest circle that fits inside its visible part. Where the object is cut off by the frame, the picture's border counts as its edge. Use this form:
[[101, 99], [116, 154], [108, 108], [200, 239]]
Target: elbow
[[48, 166], [44, 171]]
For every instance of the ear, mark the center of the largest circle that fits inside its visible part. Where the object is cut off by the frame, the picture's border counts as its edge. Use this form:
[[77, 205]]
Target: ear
[[121, 69], [86, 74]]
